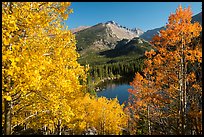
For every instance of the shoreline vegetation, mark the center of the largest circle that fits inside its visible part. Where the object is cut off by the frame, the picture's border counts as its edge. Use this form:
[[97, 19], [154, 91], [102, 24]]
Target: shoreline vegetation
[[97, 83], [94, 86]]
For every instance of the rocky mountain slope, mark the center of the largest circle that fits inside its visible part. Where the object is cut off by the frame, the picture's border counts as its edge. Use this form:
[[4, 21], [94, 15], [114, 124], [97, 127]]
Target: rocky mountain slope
[[198, 18], [135, 46], [149, 34], [109, 42], [103, 36], [125, 50]]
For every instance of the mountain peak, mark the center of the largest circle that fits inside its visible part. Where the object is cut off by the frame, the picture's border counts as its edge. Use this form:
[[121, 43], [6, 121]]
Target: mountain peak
[[136, 31], [111, 22], [103, 36]]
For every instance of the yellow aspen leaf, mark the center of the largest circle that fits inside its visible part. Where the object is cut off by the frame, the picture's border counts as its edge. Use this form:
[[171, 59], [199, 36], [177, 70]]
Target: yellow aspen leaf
[[8, 98]]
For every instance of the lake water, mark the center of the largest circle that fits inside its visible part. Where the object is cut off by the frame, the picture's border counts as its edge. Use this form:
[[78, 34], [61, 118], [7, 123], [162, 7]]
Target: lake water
[[115, 88]]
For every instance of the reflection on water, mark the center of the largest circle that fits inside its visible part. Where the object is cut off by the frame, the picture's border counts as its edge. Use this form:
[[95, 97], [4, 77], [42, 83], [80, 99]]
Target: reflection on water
[[115, 88]]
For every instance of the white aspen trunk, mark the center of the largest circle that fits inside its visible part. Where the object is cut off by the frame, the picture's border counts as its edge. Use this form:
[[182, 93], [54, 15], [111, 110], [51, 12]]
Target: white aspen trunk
[[183, 90], [149, 124], [185, 96], [59, 127], [182, 100], [45, 129], [179, 104]]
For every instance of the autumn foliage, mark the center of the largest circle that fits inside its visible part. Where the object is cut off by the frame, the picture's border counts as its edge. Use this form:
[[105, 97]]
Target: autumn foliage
[[106, 116], [167, 96], [43, 85]]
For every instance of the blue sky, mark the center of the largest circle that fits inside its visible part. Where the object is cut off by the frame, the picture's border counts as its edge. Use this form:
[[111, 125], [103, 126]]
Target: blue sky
[[143, 15]]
